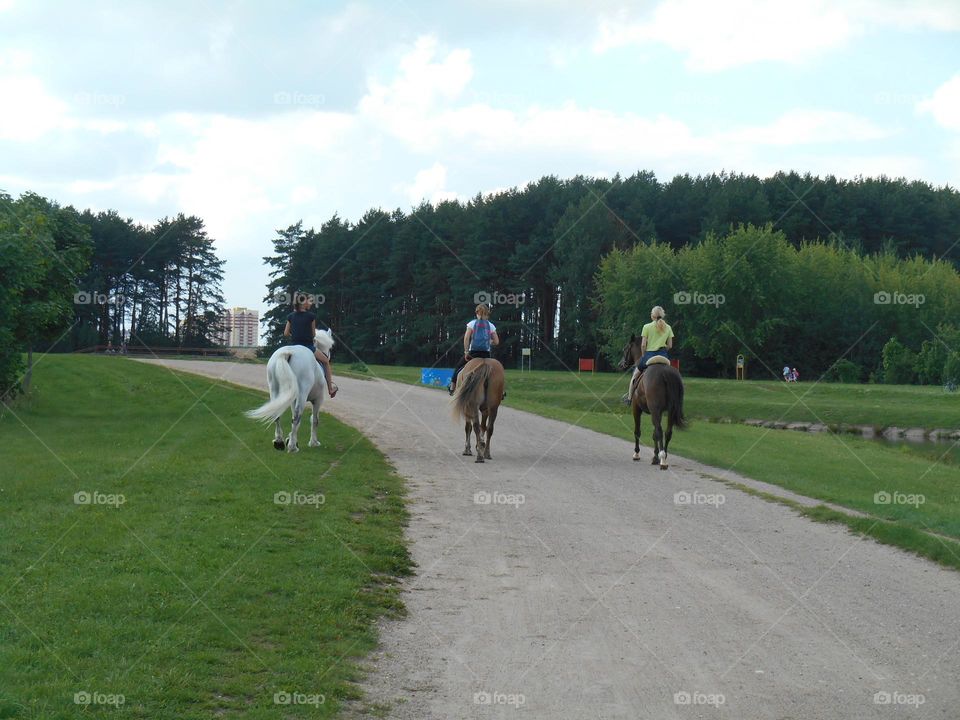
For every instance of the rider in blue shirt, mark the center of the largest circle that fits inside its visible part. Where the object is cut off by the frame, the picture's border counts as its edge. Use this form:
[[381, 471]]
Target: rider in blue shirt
[[478, 340]]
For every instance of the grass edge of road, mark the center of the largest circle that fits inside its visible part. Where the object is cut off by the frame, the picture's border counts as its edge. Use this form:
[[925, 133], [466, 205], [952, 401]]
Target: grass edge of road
[[931, 546], [357, 552]]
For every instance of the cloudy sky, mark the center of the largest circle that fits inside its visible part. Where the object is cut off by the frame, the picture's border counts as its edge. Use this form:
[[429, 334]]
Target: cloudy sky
[[254, 115]]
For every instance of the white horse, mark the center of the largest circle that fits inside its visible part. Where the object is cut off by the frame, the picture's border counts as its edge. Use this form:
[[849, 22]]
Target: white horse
[[295, 377]]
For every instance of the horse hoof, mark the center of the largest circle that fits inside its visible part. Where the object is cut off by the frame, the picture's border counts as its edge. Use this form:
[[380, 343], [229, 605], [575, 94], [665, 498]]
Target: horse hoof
[[279, 444], [467, 452], [479, 459], [314, 443], [636, 456], [663, 467], [486, 456], [654, 461]]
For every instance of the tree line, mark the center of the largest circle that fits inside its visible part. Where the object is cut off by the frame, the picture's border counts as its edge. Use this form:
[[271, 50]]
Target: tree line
[[71, 279], [153, 286], [398, 287], [820, 306]]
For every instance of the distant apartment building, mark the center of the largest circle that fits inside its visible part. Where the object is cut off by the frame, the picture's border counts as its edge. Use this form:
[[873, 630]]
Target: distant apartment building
[[241, 327]]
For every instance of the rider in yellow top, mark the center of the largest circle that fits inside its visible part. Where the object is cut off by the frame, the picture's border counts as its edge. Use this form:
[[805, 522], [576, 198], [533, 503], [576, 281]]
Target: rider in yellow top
[[656, 338]]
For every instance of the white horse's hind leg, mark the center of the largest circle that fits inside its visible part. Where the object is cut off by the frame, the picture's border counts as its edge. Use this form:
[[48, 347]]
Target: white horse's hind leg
[[277, 435], [314, 422], [295, 427]]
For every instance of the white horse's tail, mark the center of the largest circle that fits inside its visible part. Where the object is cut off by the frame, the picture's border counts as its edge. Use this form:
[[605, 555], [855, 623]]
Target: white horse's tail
[[287, 382]]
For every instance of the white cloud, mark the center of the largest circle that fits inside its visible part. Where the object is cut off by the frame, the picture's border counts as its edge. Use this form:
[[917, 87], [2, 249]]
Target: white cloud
[[412, 131], [802, 126], [942, 15], [413, 109], [29, 111], [716, 36], [944, 105], [420, 87], [226, 169], [429, 185], [82, 187]]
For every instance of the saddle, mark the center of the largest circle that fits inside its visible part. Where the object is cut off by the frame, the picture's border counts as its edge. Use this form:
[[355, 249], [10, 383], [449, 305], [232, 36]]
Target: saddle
[[635, 385]]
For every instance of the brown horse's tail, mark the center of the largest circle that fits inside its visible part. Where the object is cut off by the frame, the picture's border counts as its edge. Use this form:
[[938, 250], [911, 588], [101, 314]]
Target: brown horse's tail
[[674, 387], [470, 390]]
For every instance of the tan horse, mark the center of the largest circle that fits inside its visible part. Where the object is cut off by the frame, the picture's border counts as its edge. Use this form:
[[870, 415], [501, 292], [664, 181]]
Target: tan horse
[[480, 388]]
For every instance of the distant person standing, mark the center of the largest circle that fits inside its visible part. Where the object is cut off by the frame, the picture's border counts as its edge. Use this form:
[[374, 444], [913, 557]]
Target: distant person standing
[[301, 328], [786, 373]]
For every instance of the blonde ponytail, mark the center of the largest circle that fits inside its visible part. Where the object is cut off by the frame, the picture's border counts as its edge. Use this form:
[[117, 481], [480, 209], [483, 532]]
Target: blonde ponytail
[[657, 315]]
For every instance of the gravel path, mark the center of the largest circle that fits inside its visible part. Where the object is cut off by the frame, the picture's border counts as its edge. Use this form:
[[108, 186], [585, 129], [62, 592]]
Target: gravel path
[[562, 580]]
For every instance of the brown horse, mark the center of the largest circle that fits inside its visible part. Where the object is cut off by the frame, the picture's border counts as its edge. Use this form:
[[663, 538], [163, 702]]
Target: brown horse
[[659, 391], [479, 392]]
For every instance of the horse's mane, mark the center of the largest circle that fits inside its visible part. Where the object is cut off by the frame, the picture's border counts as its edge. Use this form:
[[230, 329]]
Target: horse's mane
[[324, 341]]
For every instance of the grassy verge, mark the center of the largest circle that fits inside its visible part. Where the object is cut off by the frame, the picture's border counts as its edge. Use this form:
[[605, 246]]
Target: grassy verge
[[844, 470], [830, 403], [203, 594]]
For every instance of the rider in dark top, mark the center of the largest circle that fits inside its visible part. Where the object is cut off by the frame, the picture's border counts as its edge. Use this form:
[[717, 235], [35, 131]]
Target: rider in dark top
[[302, 324], [301, 328]]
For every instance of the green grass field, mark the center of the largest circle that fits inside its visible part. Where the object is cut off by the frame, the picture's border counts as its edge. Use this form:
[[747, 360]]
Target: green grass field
[[199, 595], [840, 469], [830, 403]]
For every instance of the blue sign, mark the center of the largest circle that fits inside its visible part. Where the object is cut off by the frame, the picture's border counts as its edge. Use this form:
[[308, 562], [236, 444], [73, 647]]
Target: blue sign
[[438, 377]]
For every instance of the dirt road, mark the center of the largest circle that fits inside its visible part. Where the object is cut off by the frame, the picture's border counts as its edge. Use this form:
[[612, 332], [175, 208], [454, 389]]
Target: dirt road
[[562, 580]]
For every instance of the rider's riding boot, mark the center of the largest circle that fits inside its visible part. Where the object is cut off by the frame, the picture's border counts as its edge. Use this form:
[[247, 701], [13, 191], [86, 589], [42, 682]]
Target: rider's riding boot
[[634, 384]]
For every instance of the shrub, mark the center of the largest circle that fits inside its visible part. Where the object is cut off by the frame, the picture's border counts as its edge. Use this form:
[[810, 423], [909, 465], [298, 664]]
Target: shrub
[[265, 351], [951, 371], [845, 371], [899, 363]]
